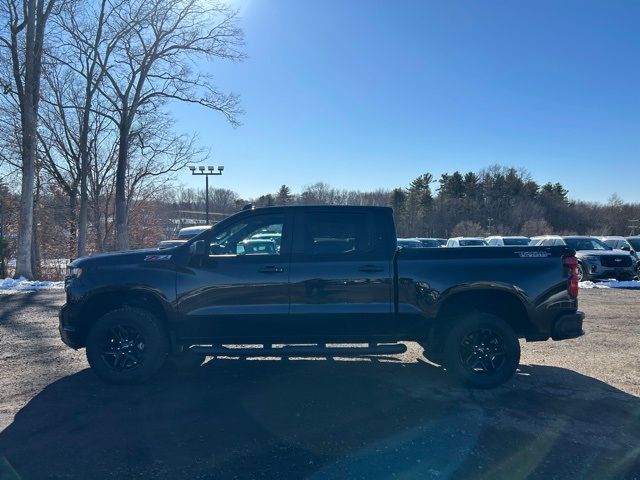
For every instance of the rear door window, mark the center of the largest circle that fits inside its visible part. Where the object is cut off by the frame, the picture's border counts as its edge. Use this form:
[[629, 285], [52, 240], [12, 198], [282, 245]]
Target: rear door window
[[344, 234]]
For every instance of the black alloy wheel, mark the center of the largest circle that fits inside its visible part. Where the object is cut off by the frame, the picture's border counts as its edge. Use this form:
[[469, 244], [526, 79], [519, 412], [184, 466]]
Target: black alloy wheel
[[123, 348], [482, 351]]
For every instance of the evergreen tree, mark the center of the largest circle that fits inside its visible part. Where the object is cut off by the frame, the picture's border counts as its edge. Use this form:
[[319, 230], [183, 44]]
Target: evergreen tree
[[283, 197]]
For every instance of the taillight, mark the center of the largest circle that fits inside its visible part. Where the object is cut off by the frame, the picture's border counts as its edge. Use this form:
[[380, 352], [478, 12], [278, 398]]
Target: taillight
[[572, 285]]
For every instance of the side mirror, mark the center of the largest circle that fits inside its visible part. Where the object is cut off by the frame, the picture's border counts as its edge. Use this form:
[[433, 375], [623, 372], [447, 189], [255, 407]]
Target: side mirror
[[625, 248], [198, 248]]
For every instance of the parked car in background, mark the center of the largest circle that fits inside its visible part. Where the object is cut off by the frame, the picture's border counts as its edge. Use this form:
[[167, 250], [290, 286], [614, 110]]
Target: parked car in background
[[184, 234], [634, 242], [618, 243], [170, 243], [596, 259], [410, 243], [512, 241], [257, 247], [188, 233], [432, 242], [621, 243], [274, 236], [466, 242]]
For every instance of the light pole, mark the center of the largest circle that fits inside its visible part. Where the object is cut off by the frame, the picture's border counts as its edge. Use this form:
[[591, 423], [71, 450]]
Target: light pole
[[200, 170]]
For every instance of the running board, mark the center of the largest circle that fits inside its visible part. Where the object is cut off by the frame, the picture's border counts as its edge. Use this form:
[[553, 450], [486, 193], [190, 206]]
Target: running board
[[299, 351]]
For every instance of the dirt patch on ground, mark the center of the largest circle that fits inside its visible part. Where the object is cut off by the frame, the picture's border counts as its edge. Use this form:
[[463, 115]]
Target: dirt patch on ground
[[572, 411]]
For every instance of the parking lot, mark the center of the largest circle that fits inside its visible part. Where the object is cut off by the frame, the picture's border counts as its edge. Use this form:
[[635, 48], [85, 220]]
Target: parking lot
[[572, 411]]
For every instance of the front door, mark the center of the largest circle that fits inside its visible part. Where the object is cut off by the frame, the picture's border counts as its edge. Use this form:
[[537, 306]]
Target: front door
[[241, 289]]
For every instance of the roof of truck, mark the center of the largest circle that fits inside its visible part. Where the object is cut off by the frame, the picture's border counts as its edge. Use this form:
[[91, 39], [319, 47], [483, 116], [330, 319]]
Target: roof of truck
[[322, 207]]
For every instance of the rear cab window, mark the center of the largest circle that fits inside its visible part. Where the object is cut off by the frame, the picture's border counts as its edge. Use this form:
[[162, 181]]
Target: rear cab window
[[337, 234], [343, 235]]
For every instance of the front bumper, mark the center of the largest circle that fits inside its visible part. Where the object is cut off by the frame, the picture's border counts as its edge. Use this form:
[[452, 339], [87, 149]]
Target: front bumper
[[68, 332], [568, 326], [622, 273]]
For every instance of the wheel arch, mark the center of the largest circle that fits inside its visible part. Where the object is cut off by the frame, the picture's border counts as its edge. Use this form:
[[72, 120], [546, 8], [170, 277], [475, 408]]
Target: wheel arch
[[503, 302], [101, 303]]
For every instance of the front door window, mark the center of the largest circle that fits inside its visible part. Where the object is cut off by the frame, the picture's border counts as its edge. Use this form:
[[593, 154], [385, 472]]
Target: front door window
[[259, 235]]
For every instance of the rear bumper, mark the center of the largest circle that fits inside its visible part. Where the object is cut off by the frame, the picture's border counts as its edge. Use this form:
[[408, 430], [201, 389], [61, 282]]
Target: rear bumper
[[68, 332], [568, 326]]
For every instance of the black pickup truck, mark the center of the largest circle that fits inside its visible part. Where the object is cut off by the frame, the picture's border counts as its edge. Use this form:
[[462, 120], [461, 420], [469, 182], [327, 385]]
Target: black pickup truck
[[334, 276]]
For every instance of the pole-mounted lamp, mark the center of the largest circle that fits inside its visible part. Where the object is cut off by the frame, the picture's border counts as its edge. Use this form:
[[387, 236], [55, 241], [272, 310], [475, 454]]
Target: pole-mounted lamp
[[200, 170]]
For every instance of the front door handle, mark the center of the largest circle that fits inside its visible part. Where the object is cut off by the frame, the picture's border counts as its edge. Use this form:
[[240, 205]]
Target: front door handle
[[371, 268], [271, 269]]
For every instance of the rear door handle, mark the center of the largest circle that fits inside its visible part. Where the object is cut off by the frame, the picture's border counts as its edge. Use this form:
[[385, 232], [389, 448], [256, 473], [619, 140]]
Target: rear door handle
[[371, 268], [271, 269]]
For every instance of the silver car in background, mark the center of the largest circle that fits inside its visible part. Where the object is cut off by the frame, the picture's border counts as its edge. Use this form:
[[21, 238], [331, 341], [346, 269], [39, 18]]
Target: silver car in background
[[509, 241], [596, 259], [622, 243]]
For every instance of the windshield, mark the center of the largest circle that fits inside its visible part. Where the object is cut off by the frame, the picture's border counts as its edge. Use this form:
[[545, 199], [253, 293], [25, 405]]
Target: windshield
[[516, 241], [635, 243], [586, 244], [472, 242], [618, 244]]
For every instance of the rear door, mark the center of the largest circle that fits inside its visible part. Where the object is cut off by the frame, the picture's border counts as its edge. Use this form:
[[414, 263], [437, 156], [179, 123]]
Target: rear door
[[341, 273]]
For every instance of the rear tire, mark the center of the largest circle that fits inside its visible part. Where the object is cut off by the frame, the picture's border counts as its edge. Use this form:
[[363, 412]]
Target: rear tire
[[481, 351], [127, 345]]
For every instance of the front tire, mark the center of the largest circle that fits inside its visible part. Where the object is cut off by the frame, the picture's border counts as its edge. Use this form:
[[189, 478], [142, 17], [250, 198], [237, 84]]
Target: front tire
[[127, 345], [583, 273], [481, 351]]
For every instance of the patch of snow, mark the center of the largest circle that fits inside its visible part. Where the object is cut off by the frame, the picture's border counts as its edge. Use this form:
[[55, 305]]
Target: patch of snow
[[11, 285], [632, 284], [590, 284]]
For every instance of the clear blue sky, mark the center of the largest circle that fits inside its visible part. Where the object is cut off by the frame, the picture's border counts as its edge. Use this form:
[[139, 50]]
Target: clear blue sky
[[369, 94]]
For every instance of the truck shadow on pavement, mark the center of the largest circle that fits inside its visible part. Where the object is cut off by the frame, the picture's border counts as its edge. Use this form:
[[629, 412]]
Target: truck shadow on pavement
[[325, 419]]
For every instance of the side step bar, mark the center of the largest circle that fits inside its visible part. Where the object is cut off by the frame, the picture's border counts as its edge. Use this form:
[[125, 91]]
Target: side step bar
[[299, 351]]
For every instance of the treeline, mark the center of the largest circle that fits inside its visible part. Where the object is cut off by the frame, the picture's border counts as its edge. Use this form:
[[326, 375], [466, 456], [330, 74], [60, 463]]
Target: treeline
[[496, 200], [84, 124]]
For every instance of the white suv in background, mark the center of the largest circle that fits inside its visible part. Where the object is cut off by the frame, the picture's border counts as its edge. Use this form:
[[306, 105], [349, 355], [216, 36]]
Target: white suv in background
[[466, 242], [512, 241]]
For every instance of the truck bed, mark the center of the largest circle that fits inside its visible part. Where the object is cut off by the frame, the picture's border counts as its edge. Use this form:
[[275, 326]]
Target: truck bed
[[430, 280]]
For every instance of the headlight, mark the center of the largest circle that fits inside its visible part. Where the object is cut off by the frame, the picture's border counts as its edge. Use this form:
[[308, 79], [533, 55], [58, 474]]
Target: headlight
[[593, 260], [75, 271]]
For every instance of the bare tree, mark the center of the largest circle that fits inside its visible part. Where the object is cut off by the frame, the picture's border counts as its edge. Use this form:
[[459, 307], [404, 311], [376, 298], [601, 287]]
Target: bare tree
[[223, 200], [26, 21], [58, 142], [91, 32], [154, 64], [467, 228], [155, 152]]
